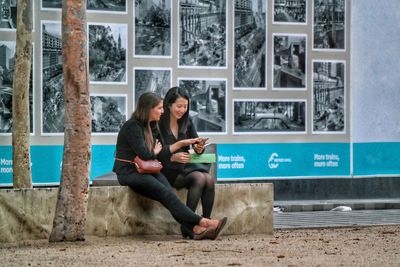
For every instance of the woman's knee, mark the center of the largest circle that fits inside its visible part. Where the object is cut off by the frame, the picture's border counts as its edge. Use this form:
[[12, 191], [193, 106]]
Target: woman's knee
[[209, 180], [199, 178]]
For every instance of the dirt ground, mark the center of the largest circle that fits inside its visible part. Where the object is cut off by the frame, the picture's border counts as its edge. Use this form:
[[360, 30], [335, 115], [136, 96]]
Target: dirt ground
[[359, 246]]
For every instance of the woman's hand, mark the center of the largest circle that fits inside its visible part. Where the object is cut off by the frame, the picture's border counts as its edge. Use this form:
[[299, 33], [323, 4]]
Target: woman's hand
[[199, 147], [157, 147], [185, 142], [181, 157], [188, 142]]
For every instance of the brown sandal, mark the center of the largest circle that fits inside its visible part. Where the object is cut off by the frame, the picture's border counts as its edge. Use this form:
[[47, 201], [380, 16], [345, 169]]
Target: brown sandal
[[221, 224], [207, 233]]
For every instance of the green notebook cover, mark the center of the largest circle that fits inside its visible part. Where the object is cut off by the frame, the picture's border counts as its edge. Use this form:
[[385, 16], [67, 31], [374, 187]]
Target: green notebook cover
[[202, 158]]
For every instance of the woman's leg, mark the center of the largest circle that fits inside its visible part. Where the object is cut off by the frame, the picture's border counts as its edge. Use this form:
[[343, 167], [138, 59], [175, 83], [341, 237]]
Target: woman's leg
[[194, 182], [207, 198], [156, 187], [200, 185]]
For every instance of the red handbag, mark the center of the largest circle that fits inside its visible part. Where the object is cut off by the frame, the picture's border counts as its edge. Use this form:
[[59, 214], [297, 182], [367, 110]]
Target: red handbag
[[144, 166], [147, 166]]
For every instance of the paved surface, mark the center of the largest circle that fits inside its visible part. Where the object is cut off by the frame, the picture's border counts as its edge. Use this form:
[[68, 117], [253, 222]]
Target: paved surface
[[376, 246], [326, 205], [315, 219]]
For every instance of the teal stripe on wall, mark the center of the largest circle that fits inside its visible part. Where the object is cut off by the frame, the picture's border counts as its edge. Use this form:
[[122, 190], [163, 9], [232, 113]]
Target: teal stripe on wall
[[378, 158], [237, 161]]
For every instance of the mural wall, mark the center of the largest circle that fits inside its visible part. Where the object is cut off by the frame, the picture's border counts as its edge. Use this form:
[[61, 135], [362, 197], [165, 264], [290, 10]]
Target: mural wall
[[274, 73]]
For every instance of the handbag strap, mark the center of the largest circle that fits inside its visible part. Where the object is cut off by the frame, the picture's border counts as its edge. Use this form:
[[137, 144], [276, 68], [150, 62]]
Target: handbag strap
[[127, 161], [124, 160]]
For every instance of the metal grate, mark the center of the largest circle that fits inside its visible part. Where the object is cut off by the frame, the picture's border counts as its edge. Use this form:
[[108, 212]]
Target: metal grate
[[315, 219]]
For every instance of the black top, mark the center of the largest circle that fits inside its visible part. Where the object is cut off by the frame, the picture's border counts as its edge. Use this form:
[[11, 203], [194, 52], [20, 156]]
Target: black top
[[130, 143], [172, 169]]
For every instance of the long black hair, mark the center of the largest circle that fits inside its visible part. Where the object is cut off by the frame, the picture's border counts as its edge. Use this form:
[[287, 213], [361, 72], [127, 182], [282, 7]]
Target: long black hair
[[146, 102], [172, 95]]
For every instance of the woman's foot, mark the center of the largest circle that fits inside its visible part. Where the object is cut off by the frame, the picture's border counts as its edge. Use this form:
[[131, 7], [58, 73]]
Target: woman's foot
[[205, 222], [220, 226], [207, 233], [197, 229], [216, 225]]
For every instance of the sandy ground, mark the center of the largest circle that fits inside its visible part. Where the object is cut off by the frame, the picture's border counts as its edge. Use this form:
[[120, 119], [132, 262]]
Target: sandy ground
[[360, 246]]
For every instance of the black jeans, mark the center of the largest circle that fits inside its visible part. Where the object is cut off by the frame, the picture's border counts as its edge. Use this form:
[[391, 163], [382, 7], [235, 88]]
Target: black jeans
[[157, 187]]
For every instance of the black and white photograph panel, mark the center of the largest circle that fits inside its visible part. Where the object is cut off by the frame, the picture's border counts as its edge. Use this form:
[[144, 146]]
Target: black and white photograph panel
[[329, 27], [52, 79], [328, 96], [51, 4], [107, 53], [289, 57], [202, 34], [269, 116], [250, 44], [113, 6], [107, 6], [290, 12], [8, 15], [153, 28], [207, 106], [109, 112], [7, 64], [156, 80]]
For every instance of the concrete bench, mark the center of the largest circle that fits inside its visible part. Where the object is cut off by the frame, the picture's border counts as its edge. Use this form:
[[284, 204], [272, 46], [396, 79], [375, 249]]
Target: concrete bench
[[117, 211]]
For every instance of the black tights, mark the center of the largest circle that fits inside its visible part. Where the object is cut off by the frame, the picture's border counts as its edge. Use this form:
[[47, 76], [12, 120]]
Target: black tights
[[200, 185]]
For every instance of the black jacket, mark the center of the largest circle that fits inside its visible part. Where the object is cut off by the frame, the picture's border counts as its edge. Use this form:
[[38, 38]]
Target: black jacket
[[172, 169], [130, 143]]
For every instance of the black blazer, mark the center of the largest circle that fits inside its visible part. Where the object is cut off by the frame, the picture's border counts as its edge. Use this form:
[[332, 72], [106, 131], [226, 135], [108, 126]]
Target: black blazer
[[172, 169], [130, 143]]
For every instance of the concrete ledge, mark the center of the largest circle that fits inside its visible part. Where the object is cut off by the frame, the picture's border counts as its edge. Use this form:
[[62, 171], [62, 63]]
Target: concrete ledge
[[117, 211]]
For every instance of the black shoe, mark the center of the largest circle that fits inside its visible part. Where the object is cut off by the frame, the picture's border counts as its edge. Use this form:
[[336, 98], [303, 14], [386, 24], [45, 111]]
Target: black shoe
[[186, 233]]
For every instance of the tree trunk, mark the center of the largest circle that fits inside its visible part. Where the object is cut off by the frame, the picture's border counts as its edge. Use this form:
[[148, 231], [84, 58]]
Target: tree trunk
[[70, 215], [22, 177]]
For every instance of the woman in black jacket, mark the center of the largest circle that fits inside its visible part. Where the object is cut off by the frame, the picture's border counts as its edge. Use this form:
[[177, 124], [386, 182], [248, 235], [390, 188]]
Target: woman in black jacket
[[138, 137], [176, 127]]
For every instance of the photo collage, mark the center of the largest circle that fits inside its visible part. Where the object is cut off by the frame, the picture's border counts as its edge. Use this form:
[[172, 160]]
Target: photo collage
[[251, 67]]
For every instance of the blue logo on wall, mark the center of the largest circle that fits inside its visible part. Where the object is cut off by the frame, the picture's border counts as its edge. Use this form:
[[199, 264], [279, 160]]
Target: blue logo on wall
[[274, 161]]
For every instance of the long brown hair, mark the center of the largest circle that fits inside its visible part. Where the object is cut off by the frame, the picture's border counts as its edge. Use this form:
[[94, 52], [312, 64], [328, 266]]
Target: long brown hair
[[146, 102]]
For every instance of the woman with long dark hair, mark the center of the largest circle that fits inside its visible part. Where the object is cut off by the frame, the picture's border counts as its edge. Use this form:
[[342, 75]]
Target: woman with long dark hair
[[138, 137], [176, 129]]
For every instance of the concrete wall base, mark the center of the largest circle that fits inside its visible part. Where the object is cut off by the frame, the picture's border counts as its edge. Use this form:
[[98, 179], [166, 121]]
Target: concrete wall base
[[117, 211]]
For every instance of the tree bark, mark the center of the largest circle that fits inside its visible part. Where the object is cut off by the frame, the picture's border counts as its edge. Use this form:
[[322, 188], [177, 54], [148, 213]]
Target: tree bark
[[70, 215], [22, 177]]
